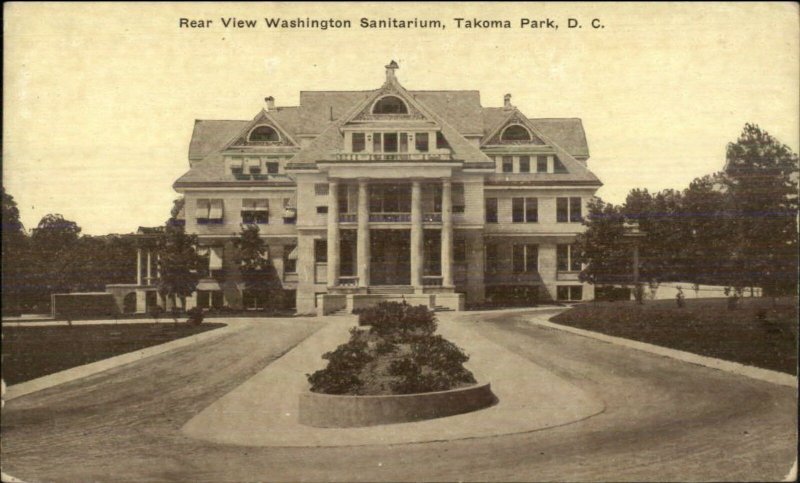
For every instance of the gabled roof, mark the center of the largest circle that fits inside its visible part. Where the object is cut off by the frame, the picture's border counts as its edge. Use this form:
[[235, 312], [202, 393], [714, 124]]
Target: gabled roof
[[566, 132], [210, 135]]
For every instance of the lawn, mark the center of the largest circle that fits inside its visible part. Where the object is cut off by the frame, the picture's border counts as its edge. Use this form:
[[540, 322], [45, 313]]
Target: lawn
[[31, 352], [759, 333]]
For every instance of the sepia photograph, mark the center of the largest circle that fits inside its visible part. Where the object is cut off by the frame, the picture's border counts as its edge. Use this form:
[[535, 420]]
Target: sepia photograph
[[423, 241]]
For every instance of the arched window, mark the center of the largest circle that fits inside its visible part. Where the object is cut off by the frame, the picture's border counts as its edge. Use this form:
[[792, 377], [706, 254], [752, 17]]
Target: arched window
[[516, 133], [390, 105], [264, 133]]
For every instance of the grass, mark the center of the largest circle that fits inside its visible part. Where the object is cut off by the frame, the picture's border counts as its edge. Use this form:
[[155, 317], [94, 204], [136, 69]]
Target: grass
[[31, 352], [759, 333]]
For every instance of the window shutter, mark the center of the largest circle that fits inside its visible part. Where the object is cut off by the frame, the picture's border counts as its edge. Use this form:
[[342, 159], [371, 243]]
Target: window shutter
[[215, 258], [215, 212], [202, 209]]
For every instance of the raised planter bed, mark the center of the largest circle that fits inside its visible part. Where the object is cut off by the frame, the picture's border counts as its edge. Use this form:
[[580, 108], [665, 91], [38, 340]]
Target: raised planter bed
[[346, 411]]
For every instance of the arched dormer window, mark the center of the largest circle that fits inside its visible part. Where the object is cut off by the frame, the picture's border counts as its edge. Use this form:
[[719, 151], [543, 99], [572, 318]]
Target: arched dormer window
[[390, 105], [264, 134], [515, 132]]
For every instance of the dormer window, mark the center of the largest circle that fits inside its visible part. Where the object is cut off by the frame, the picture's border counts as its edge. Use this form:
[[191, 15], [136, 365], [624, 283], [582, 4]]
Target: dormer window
[[390, 105], [515, 133], [264, 134]]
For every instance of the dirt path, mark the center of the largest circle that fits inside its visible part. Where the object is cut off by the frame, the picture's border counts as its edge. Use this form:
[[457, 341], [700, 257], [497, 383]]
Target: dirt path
[[665, 420]]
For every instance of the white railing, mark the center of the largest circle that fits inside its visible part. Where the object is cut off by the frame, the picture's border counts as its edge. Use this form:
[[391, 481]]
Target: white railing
[[393, 157], [348, 281], [390, 217]]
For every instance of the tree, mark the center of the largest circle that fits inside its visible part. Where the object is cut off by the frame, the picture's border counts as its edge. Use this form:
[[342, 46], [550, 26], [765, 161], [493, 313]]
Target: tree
[[177, 206], [52, 260], [761, 175], [258, 273], [14, 254], [178, 264], [602, 246]]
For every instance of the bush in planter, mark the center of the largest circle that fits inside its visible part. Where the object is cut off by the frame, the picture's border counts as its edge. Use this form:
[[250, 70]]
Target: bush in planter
[[397, 355], [195, 316]]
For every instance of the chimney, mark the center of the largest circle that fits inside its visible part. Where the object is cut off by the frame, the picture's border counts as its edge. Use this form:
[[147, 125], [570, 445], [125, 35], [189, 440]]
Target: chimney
[[390, 70], [507, 101], [270, 103]]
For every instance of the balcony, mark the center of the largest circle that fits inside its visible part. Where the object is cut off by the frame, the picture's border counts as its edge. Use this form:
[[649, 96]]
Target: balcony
[[393, 157], [432, 217], [390, 217], [348, 217]]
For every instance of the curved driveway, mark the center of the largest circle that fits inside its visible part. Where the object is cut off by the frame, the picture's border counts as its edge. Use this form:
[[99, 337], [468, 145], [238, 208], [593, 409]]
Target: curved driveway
[[664, 420]]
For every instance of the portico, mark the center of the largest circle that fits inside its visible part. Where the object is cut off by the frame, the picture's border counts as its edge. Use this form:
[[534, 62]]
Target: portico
[[400, 213]]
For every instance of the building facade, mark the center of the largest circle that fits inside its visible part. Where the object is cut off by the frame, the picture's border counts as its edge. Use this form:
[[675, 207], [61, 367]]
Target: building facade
[[364, 196]]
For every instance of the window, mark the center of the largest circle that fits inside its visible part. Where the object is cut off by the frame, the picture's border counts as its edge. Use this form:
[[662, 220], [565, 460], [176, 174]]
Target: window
[[290, 259], [518, 210], [525, 258], [255, 211], [421, 142], [209, 299], [437, 198], [403, 142], [209, 212], [377, 142], [524, 164], [541, 164], [254, 166], [558, 166], [322, 210], [321, 251], [359, 142], [491, 210], [390, 105], [491, 257], [531, 210], [264, 134], [289, 211], [321, 189], [459, 250], [343, 192], [575, 210], [508, 164], [515, 133], [458, 197], [390, 142], [568, 210], [272, 168], [567, 258], [524, 210], [569, 292]]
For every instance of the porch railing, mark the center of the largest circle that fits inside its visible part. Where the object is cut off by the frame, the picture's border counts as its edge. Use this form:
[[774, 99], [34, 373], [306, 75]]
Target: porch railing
[[348, 217], [432, 280], [348, 281], [390, 217], [393, 157]]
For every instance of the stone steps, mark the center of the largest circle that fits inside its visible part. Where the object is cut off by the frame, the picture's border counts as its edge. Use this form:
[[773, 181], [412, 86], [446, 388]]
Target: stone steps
[[391, 290]]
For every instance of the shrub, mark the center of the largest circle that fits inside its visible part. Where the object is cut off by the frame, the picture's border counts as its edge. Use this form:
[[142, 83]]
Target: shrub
[[398, 355], [195, 316], [398, 322], [344, 365], [434, 364], [156, 312]]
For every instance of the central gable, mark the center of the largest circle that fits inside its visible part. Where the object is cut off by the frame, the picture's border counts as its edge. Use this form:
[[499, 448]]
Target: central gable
[[389, 104], [514, 130]]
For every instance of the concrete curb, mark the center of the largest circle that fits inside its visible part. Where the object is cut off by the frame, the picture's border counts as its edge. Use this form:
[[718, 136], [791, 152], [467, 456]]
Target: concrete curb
[[75, 373], [765, 375]]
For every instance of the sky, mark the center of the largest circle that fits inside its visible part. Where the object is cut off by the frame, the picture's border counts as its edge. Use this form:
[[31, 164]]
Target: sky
[[99, 99]]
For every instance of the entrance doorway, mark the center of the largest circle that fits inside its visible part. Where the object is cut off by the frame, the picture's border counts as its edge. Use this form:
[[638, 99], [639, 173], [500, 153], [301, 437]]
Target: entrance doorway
[[390, 252]]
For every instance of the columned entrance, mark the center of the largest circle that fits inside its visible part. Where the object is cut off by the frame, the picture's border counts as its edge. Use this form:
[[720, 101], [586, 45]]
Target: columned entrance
[[390, 262]]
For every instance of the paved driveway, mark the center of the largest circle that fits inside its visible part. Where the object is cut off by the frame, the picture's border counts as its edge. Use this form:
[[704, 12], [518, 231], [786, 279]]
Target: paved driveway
[[665, 420]]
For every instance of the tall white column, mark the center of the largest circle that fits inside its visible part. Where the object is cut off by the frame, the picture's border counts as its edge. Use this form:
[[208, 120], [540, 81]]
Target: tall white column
[[416, 235], [362, 248], [447, 233], [138, 266], [149, 268], [333, 233]]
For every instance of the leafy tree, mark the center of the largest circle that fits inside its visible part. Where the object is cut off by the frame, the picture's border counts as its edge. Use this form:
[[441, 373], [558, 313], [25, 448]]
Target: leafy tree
[[14, 254], [761, 175], [178, 264], [257, 270], [52, 261], [177, 206], [602, 246]]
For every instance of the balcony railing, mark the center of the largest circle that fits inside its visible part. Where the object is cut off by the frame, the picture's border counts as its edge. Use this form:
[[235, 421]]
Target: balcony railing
[[348, 217], [393, 157], [348, 281], [432, 280], [390, 217], [432, 217]]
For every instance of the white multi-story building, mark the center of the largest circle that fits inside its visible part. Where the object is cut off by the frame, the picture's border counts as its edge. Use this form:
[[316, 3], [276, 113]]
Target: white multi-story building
[[391, 193]]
